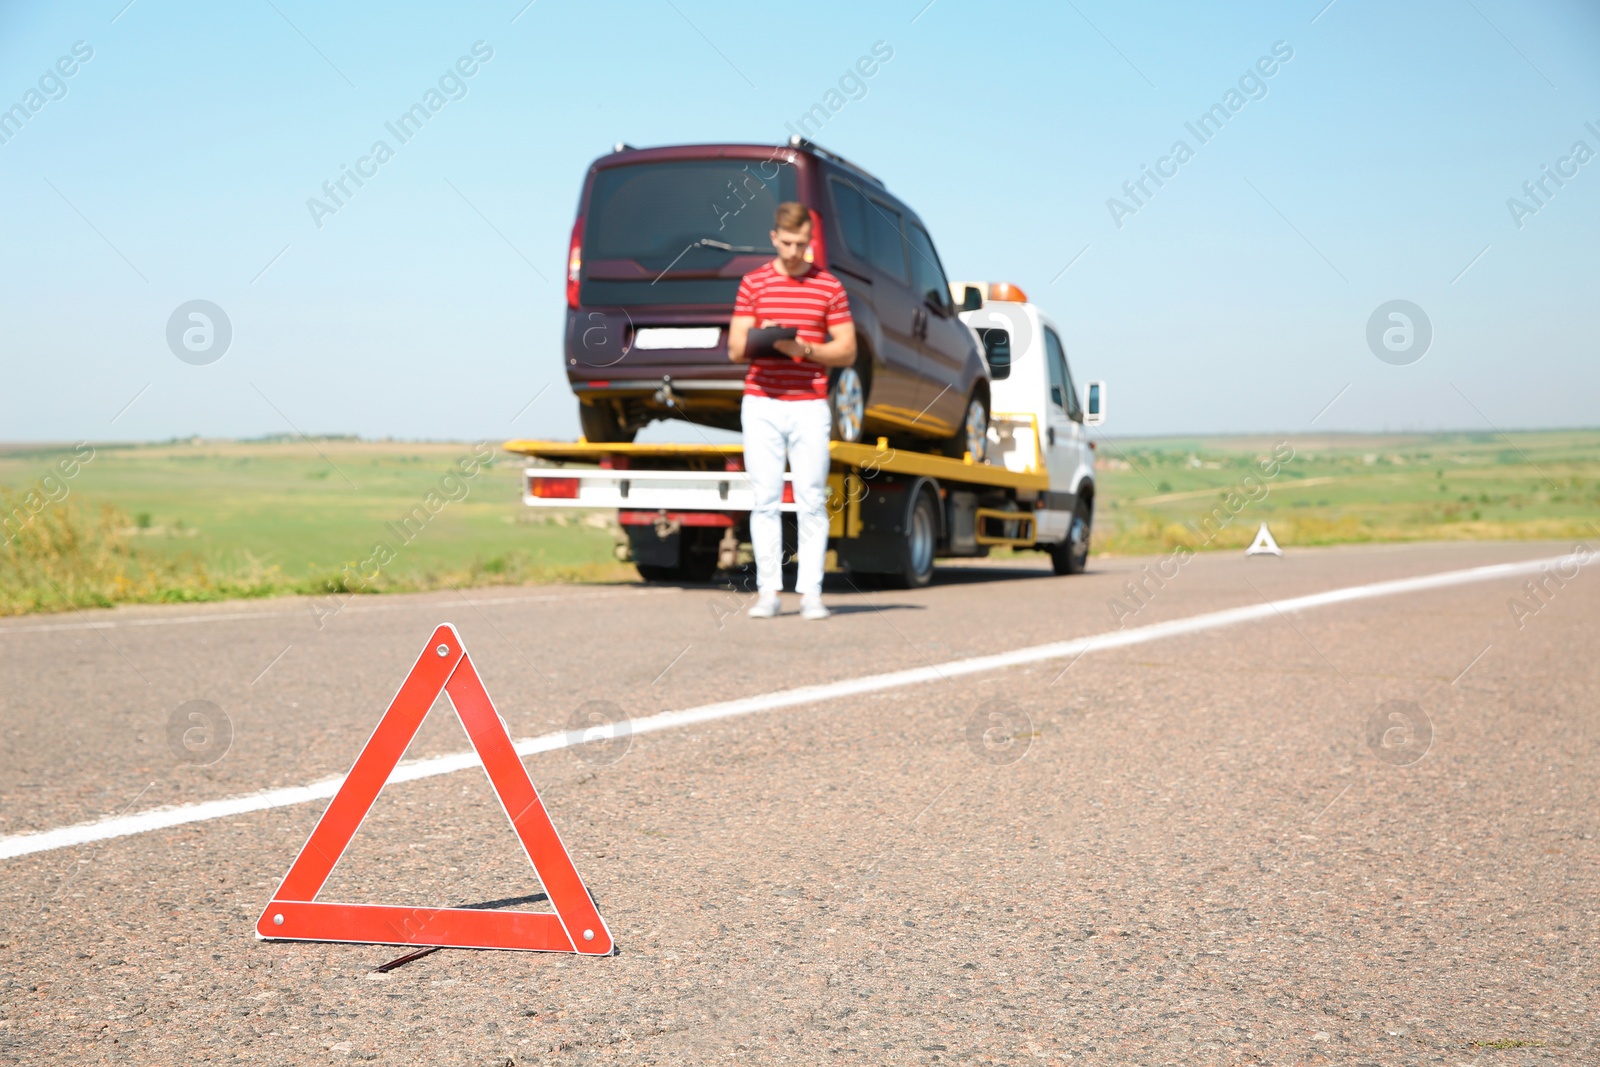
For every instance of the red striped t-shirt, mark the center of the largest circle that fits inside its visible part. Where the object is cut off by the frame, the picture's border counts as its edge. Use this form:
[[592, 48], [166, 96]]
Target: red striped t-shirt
[[810, 303]]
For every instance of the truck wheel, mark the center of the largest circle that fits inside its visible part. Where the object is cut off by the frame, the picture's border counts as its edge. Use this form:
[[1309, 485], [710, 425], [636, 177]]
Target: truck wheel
[[601, 425], [917, 545], [847, 400], [974, 433], [1072, 555]]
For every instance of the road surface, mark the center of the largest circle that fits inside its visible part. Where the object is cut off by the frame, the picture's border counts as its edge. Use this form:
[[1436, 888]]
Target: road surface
[[1343, 832]]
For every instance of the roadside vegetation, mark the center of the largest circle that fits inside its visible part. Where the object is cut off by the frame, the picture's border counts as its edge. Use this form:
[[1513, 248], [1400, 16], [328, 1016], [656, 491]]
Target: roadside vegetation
[[212, 520], [215, 520], [1156, 495]]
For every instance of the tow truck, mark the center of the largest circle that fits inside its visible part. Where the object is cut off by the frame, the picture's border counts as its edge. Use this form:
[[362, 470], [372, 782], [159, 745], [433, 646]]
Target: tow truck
[[893, 510]]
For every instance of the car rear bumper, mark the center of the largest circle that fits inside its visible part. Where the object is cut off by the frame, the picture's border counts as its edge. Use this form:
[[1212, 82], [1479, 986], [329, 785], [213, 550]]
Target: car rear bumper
[[648, 386]]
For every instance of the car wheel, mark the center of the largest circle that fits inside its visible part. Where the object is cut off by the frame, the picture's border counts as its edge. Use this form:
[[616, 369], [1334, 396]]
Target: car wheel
[[1072, 555], [974, 433], [847, 399], [601, 425], [917, 545]]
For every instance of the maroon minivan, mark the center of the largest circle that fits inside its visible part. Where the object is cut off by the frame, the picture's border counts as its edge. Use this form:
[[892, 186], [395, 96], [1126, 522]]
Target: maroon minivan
[[662, 238]]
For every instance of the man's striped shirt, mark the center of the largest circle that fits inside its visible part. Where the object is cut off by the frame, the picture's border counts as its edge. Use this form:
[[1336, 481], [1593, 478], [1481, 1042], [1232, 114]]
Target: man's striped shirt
[[811, 303]]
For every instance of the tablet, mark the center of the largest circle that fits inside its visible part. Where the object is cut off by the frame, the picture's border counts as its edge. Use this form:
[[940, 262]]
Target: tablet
[[759, 344]]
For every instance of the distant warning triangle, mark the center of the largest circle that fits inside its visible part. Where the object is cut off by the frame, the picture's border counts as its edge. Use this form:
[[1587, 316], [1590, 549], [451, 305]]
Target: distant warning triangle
[[294, 912], [1264, 545]]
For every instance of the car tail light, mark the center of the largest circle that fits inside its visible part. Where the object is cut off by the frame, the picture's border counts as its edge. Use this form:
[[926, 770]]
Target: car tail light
[[817, 251], [553, 488], [574, 262]]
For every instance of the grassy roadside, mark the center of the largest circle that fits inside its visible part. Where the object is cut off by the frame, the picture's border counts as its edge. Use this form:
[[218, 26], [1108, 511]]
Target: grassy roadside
[[1339, 488], [211, 520]]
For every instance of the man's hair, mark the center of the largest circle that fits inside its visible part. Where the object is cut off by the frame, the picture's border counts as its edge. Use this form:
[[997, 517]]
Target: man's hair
[[791, 216]]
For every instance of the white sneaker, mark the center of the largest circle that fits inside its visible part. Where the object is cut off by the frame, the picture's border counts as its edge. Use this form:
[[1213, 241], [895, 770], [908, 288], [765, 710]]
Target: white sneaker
[[766, 607], [811, 607]]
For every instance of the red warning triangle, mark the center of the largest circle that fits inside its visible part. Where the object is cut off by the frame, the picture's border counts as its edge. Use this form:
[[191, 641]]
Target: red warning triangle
[[294, 912]]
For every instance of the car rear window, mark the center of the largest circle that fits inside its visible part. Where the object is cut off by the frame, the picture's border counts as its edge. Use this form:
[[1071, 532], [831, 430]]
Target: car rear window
[[678, 218]]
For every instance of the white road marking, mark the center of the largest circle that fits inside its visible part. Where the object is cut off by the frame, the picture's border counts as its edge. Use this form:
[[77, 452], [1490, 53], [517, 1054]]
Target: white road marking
[[162, 818]]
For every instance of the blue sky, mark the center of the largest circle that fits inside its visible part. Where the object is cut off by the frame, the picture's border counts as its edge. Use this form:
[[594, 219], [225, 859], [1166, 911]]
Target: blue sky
[[1377, 166]]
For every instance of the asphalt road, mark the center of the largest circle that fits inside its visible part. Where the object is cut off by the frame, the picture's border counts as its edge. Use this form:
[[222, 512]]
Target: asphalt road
[[1192, 851]]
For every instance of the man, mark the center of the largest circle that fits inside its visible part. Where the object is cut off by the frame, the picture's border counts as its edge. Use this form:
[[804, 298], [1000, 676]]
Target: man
[[785, 411]]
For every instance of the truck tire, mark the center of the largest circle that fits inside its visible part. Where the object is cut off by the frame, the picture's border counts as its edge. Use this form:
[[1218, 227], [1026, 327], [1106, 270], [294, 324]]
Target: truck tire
[[1072, 555], [601, 424], [973, 436], [917, 544]]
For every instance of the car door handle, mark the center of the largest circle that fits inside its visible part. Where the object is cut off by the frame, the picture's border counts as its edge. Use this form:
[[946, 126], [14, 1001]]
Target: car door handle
[[1050, 434]]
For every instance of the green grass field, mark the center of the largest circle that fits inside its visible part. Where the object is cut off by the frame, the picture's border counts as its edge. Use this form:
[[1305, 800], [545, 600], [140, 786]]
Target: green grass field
[[215, 519], [1343, 487]]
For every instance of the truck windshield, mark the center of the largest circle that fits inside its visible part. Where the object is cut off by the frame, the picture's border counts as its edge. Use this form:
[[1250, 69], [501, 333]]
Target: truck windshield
[[658, 233]]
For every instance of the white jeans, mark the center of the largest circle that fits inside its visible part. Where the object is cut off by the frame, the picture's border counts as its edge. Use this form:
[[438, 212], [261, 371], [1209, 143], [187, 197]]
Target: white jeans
[[801, 428]]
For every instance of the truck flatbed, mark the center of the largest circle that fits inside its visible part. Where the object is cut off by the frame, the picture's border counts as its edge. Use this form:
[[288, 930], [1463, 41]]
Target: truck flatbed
[[846, 455]]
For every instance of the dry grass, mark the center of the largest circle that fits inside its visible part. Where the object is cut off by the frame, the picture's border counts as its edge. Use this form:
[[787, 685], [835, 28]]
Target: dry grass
[[71, 555]]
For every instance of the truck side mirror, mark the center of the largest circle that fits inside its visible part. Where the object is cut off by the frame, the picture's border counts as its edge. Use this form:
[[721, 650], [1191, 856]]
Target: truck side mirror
[[1094, 408], [996, 350], [971, 298]]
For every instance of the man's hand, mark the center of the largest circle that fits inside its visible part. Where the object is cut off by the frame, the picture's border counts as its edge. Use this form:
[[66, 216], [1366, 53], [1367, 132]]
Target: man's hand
[[738, 335], [839, 351], [795, 350]]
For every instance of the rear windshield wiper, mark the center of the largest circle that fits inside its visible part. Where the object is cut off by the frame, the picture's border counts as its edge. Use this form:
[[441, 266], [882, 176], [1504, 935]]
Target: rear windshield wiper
[[707, 242]]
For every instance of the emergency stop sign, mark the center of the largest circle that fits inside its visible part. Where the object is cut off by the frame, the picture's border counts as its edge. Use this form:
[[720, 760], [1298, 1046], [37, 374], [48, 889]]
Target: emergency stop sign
[[295, 914]]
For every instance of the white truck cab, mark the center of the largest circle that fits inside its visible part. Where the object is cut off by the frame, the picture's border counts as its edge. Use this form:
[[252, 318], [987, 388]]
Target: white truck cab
[[1030, 375]]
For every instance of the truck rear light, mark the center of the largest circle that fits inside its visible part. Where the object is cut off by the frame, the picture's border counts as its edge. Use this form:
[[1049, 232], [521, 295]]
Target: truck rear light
[[574, 262], [817, 251], [788, 492], [553, 488]]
